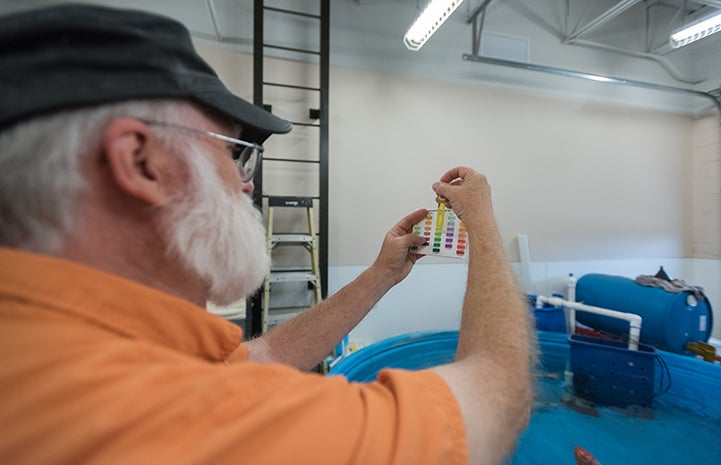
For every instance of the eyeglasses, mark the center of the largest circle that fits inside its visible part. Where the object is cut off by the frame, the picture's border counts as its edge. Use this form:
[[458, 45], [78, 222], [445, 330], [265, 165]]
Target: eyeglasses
[[246, 155]]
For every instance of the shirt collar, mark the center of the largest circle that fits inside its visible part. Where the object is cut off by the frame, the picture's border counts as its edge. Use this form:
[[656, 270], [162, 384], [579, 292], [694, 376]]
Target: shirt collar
[[117, 304]]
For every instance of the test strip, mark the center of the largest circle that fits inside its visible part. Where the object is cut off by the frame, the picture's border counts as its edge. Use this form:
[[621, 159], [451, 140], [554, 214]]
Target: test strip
[[448, 238], [441, 217]]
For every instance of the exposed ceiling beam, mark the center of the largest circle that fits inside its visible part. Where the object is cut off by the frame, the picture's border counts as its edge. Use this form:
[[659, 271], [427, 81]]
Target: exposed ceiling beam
[[210, 5], [477, 11], [602, 19]]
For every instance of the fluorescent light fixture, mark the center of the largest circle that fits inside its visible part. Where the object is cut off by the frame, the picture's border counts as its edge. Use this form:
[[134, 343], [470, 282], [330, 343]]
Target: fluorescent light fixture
[[428, 21], [697, 30]]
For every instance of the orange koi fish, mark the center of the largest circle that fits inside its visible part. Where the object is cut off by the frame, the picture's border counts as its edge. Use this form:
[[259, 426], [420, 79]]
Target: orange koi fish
[[584, 457]]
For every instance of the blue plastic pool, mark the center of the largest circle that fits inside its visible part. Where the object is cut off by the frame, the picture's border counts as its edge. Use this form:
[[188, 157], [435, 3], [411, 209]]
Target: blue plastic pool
[[683, 427]]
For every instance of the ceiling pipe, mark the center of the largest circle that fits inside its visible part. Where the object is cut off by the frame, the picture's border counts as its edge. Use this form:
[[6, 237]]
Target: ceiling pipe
[[593, 77], [611, 13], [661, 60]]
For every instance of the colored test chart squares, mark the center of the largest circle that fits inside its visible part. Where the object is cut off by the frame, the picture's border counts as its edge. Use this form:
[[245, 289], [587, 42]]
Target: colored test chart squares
[[444, 233]]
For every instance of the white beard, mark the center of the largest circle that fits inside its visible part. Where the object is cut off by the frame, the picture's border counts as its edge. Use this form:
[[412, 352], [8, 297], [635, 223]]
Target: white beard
[[220, 237]]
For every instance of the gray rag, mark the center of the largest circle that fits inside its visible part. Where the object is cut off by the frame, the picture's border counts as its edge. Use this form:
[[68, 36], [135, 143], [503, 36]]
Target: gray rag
[[674, 285]]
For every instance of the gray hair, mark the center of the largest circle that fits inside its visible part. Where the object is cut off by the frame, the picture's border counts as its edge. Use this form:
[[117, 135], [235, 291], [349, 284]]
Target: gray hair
[[40, 168]]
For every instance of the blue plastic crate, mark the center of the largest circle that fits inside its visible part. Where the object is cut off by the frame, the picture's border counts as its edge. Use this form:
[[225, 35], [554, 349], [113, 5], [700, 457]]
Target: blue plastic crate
[[548, 318], [608, 373]]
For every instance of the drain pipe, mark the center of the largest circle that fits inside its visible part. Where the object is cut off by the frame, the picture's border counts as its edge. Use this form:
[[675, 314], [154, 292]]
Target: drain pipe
[[634, 320]]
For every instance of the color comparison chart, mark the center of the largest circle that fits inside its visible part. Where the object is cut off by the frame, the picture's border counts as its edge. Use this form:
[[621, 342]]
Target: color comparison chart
[[444, 232]]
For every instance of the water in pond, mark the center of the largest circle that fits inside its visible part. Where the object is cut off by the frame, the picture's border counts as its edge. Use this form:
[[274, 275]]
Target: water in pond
[[683, 427], [664, 435]]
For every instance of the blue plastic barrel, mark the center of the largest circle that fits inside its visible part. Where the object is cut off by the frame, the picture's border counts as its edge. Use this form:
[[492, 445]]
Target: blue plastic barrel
[[670, 320]]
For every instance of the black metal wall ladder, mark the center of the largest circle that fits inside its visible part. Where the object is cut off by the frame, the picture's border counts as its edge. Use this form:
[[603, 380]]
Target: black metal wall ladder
[[255, 322]]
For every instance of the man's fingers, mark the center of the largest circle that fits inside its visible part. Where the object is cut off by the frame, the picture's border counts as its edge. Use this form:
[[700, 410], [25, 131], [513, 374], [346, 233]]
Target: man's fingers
[[459, 172], [407, 222], [417, 240]]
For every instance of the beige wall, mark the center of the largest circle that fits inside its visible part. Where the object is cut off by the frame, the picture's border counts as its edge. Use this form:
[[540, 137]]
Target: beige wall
[[583, 180], [595, 187], [706, 235]]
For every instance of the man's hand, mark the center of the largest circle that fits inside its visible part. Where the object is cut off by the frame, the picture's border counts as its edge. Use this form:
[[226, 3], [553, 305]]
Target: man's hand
[[467, 192], [395, 258]]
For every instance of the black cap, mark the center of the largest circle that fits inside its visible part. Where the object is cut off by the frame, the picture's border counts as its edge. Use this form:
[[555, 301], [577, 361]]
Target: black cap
[[76, 55]]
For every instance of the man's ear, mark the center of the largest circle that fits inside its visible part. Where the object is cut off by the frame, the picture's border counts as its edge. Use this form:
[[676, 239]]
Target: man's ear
[[135, 162]]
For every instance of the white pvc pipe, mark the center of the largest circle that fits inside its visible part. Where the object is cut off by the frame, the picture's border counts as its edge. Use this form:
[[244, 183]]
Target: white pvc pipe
[[571, 288], [525, 262], [571, 297], [634, 320]]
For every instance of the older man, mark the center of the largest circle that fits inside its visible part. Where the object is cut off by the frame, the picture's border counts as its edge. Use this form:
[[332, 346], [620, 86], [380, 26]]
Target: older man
[[125, 169]]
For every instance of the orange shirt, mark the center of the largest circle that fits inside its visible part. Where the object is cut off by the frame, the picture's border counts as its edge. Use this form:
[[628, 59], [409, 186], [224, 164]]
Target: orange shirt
[[99, 369]]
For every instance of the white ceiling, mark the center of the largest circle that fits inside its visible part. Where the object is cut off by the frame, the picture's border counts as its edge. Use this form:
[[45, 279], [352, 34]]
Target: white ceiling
[[368, 34]]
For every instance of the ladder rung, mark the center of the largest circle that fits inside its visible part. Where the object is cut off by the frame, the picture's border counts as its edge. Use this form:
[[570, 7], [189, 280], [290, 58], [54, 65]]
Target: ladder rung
[[291, 86], [277, 201], [295, 160], [266, 196], [291, 239], [316, 234], [314, 125], [291, 12], [280, 269], [291, 49], [291, 277]]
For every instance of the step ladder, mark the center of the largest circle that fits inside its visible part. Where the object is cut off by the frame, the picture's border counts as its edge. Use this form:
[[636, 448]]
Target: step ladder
[[307, 241]]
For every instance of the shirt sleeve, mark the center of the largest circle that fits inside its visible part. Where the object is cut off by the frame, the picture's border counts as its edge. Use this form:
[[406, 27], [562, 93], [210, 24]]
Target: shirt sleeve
[[184, 411], [284, 416], [403, 418], [240, 354], [418, 420]]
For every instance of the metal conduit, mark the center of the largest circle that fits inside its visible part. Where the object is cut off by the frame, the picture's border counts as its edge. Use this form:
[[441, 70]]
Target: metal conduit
[[592, 77]]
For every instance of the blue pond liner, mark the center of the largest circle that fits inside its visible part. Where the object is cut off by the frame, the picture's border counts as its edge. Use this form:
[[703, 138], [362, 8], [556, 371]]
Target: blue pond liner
[[414, 351]]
